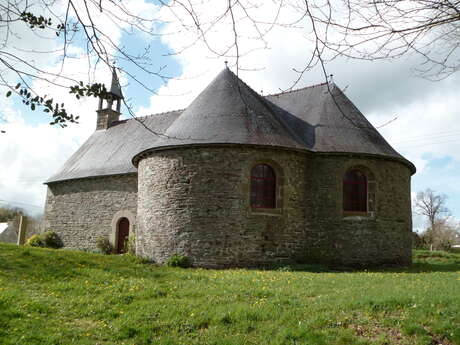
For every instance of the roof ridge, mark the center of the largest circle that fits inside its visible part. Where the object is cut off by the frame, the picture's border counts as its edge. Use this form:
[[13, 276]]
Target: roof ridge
[[273, 113], [296, 90], [156, 114], [244, 83]]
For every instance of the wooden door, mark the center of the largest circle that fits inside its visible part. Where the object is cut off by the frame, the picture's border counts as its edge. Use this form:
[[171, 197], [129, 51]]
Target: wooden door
[[123, 233]]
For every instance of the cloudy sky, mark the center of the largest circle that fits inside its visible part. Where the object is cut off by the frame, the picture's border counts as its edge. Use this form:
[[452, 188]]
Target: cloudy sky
[[426, 129]]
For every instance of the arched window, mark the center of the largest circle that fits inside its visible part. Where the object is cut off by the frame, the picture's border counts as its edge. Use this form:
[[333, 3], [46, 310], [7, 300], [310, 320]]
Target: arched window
[[355, 191], [263, 186]]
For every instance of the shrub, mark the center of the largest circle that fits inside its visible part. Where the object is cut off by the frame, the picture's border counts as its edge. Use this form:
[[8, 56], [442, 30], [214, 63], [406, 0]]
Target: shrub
[[141, 260], [35, 241], [284, 268], [104, 245], [51, 240], [131, 245], [48, 239], [178, 261]]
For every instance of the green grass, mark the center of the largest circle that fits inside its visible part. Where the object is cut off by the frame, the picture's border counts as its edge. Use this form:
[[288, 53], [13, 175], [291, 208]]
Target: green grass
[[65, 297]]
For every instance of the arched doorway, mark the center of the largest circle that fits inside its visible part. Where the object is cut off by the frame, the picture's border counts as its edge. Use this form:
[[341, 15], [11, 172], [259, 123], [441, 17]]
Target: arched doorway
[[122, 235]]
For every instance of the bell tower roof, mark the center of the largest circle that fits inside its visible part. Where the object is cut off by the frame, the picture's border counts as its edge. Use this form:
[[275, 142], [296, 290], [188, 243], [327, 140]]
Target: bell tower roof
[[115, 88], [109, 109]]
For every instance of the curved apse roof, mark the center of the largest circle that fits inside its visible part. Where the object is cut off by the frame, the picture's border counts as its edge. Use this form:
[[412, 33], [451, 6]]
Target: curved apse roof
[[318, 119], [229, 112]]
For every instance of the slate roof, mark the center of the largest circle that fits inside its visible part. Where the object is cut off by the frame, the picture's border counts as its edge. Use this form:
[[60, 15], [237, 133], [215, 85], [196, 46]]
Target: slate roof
[[330, 123], [317, 119], [229, 111], [109, 152], [115, 88]]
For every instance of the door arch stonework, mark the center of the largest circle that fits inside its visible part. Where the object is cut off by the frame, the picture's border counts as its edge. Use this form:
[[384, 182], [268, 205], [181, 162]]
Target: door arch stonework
[[113, 238]]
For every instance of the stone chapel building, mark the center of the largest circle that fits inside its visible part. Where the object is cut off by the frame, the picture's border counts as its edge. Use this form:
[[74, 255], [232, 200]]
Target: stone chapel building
[[239, 179]]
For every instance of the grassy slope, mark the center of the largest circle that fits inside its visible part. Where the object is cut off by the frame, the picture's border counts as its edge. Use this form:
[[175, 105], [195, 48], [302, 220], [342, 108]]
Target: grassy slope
[[63, 297]]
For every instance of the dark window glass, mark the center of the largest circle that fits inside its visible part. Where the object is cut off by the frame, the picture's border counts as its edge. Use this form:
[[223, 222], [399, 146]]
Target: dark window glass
[[355, 191], [263, 187]]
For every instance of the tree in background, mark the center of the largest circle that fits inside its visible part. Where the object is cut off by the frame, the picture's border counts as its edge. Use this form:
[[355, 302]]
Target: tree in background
[[432, 206], [8, 214], [441, 232]]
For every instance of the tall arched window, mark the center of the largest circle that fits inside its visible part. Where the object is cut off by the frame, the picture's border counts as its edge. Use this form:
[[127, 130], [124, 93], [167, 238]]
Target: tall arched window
[[263, 186], [355, 191]]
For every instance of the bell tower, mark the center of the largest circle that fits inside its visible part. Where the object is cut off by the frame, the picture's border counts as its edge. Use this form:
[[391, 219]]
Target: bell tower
[[109, 104]]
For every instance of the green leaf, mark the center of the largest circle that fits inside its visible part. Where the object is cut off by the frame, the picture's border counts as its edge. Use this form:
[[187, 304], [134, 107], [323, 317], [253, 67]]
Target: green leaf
[[8, 94]]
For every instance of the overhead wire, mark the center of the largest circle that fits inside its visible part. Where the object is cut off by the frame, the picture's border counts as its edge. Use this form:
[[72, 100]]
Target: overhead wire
[[3, 201], [430, 136]]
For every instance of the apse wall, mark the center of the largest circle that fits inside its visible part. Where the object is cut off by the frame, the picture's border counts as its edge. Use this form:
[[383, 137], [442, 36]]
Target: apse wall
[[195, 202]]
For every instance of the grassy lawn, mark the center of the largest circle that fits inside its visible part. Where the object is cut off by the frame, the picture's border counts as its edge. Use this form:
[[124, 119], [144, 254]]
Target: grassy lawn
[[64, 297]]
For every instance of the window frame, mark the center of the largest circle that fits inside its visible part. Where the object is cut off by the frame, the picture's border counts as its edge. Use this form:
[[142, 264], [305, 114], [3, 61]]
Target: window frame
[[268, 203], [348, 199]]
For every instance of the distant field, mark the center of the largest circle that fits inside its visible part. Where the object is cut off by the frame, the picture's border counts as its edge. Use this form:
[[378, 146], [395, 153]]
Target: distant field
[[64, 297]]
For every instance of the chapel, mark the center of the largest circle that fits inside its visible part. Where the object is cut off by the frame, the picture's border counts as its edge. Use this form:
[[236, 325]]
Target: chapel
[[238, 179]]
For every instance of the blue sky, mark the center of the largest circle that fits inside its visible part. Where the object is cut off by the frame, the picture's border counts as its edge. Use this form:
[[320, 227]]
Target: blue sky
[[160, 54], [426, 129]]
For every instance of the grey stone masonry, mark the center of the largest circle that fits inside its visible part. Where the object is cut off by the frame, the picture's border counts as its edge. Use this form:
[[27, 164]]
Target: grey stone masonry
[[195, 202], [381, 236], [105, 118], [82, 210]]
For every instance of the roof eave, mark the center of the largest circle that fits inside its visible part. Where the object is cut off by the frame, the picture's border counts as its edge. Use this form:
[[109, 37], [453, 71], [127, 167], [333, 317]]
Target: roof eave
[[50, 181], [135, 160]]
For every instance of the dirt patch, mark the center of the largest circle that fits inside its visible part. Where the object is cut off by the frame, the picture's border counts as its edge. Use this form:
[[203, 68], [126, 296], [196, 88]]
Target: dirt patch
[[437, 339], [84, 324], [375, 331]]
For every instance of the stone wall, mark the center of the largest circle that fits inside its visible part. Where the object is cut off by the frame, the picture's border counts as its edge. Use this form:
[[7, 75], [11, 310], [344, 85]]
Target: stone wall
[[195, 202], [82, 210], [382, 236]]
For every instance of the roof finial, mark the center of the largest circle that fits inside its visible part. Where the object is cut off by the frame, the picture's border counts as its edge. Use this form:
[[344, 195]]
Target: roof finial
[[226, 63]]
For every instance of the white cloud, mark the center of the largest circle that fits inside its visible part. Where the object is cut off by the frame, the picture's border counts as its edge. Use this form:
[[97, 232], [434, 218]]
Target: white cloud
[[425, 128], [31, 153], [427, 112], [263, 69]]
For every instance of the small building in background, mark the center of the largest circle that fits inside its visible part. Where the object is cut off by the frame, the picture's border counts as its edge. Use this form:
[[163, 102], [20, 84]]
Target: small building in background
[[8, 233]]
